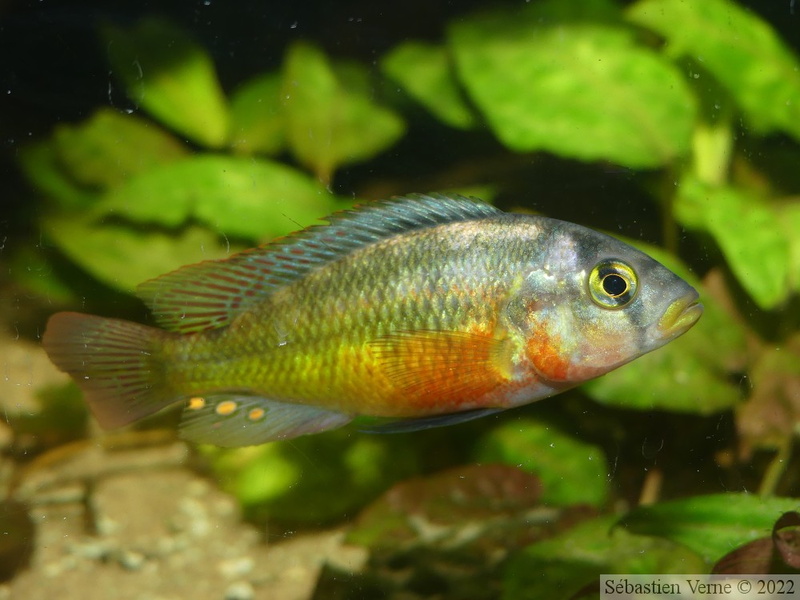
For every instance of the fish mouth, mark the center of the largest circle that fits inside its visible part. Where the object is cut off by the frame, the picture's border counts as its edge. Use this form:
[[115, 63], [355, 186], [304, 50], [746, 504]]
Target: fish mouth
[[680, 315]]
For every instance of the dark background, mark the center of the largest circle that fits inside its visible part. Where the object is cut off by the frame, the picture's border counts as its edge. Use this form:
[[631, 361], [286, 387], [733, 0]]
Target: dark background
[[53, 67]]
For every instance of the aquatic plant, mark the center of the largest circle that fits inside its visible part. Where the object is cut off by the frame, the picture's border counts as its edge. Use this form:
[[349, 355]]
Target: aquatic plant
[[702, 130]]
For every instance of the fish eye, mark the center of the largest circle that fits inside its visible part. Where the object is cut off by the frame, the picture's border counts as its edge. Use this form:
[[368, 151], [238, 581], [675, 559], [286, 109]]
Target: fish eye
[[612, 284]]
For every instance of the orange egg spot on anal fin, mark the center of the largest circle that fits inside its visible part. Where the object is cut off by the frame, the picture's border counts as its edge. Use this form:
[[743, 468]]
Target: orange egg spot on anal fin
[[196, 403], [227, 407], [256, 414]]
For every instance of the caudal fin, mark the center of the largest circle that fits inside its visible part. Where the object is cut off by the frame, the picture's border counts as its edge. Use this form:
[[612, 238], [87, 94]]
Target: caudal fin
[[117, 364]]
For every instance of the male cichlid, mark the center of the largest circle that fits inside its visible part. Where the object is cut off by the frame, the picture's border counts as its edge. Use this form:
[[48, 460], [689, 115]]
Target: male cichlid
[[426, 309]]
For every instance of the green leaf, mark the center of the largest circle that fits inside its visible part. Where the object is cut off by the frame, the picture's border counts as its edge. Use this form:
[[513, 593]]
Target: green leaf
[[572, 471], [584, 91], [257, 120], [743, 52], [41, 165], [560, 567], [255, 474], [425, 72], [690, 374], [123, 256], [353, 76], [31, 267], [761, 258], [329, 124], [238, 196], [111, 147], [172, 77], [313, 478], [789, 218], [710, 525]]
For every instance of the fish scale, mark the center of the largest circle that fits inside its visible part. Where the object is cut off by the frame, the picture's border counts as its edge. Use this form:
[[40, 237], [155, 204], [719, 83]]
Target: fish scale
[[429, 309], [397, 295]]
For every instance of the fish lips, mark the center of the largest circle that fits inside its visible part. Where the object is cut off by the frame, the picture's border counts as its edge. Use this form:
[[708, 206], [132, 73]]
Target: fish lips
[[680, 316]]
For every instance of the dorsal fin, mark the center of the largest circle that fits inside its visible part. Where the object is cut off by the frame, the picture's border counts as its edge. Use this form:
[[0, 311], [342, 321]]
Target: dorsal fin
[[210, 294]]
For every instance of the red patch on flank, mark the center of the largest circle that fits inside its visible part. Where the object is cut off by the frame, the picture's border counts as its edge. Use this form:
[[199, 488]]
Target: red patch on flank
[[547, 357], [442, 370]]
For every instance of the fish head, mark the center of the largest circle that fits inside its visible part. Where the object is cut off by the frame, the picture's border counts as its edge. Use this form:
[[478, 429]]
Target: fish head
[[591, 303]]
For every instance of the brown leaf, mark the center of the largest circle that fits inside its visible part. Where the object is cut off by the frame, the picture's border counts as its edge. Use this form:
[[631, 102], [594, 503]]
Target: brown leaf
[[429, 510], [779, 553], [786, 537], [468, 492], [753, 557], [769, 417], [448, 534], [17, 541]]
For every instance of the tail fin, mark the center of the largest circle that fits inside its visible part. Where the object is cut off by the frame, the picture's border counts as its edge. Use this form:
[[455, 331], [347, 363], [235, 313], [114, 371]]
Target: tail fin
[[117, 364]]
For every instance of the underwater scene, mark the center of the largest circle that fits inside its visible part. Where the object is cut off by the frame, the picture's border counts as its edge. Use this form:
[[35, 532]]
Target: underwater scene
[[451, 300]]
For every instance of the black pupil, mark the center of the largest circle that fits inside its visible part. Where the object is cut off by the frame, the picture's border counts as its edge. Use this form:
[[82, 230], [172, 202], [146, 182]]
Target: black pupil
[[614, 285]]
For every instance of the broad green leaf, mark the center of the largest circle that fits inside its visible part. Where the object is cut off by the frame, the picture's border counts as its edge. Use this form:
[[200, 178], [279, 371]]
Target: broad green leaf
[[712, 147], [123, 256], [41, 165], [110, 147], [329, 124], [583, 91], [572, 471], [32, 268], [254, 474], [743, 52], [172, 77], [425, 72], [690, 374], [238, 196], [558, 568], [710, 525], [257, 120], [312, 479], [789, 217], [353, 76], [748, 232]]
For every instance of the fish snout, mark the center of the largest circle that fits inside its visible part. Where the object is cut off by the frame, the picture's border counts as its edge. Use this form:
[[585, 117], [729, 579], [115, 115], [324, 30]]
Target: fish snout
[[680, 316]]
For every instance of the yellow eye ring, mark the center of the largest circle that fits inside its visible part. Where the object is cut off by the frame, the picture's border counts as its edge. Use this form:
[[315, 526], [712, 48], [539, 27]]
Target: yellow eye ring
[[613, 284]]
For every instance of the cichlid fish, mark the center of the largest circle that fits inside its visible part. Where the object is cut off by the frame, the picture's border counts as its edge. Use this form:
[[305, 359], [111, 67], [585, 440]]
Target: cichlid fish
[[426, 309]]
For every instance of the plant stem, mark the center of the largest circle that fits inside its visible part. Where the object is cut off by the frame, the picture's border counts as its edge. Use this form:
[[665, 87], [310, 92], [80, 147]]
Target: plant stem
[[776, 468], [669, 226]]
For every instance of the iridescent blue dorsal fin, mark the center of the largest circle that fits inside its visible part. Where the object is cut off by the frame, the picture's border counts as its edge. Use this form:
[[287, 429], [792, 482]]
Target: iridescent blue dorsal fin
[[210, 294]]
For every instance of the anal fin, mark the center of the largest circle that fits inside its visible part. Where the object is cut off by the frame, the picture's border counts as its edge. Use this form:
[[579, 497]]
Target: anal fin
[[232, 420]]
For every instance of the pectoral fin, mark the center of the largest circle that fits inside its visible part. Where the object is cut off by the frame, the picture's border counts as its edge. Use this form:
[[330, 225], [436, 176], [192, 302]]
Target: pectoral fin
[[443, 369], [408, 425]]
